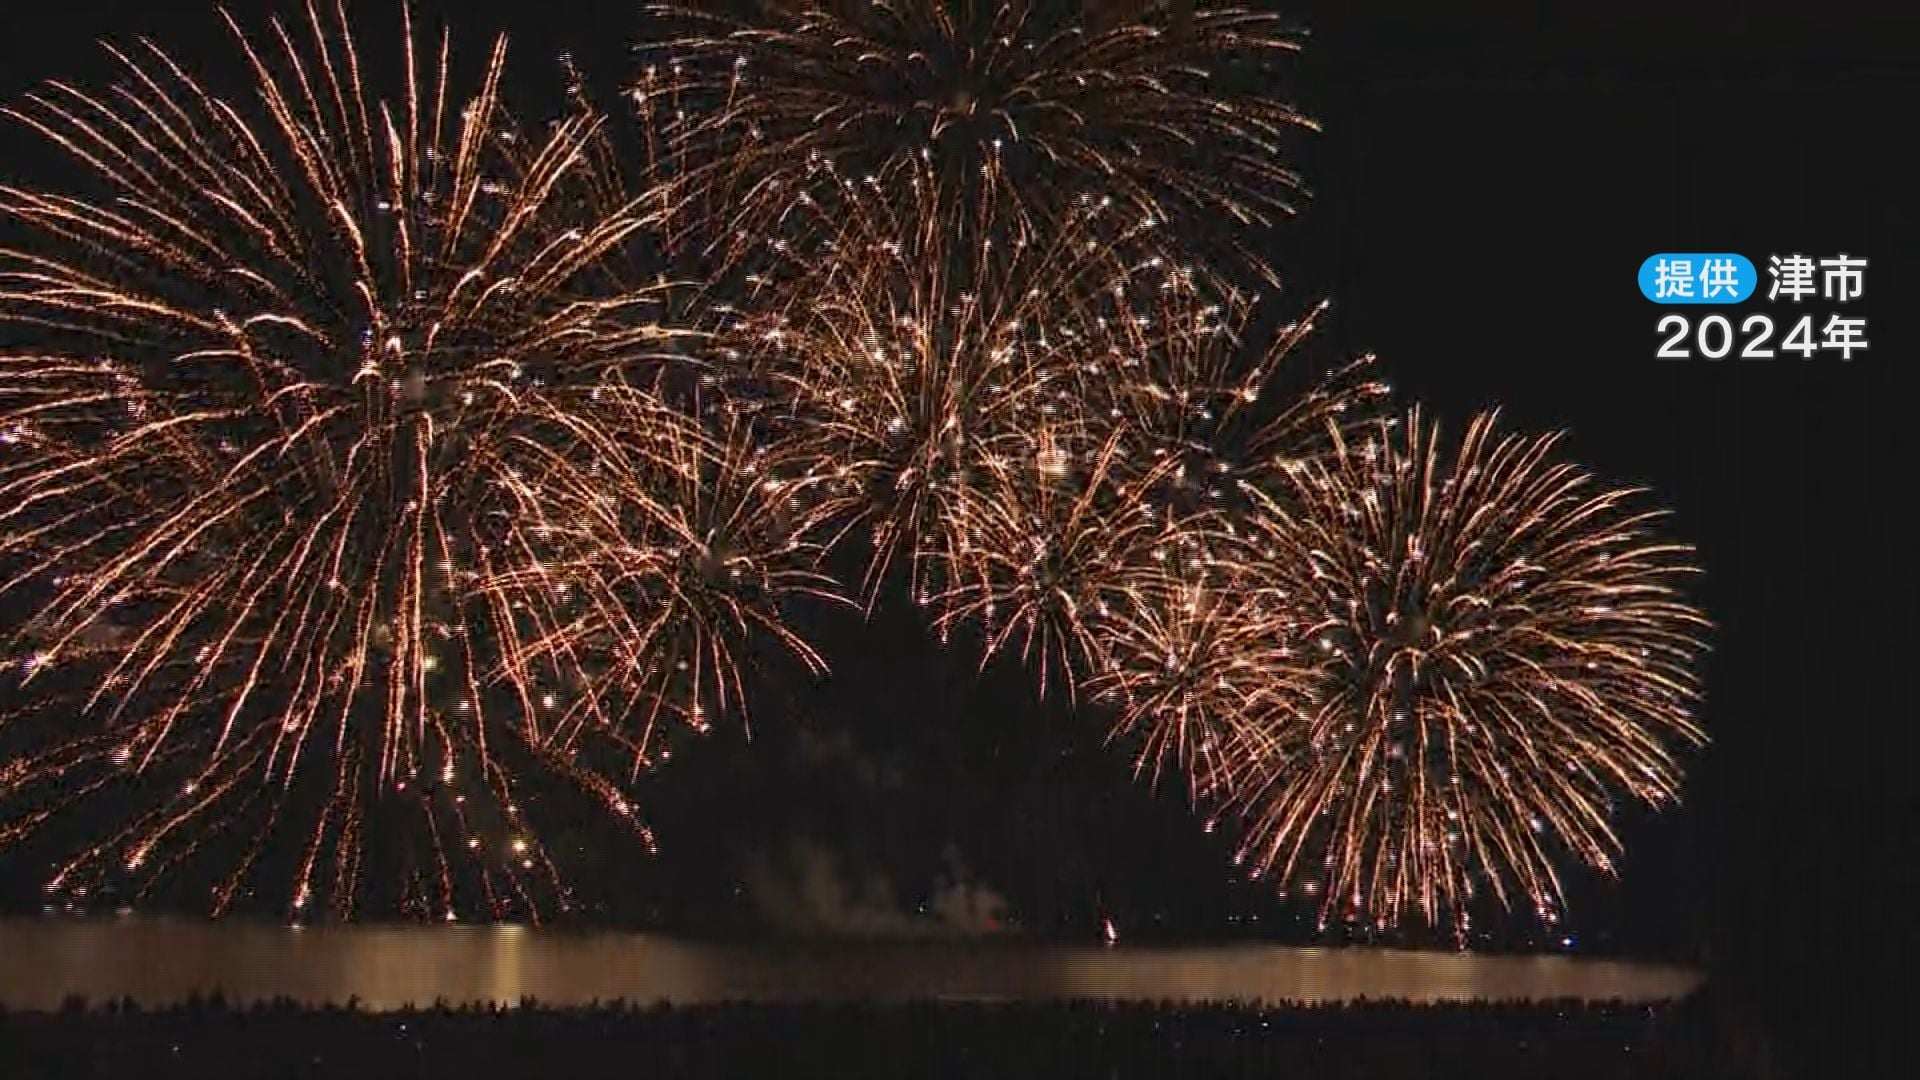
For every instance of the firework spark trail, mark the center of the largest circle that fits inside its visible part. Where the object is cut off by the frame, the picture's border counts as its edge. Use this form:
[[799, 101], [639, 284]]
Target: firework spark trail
[[1049, 558], [1496, 649], [682, 536], [1195, 668], [920, 370], [265, 470], [1211, 410], [1034, 106]]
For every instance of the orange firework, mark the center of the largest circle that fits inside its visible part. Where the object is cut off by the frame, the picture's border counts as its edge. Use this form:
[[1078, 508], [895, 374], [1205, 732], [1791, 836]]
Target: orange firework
[[1196, 667], [679, 539], [1495, 648], [1165, 111], [291, 479], [923, 371], [1176, 422], [1051, 555], [1209, 412]]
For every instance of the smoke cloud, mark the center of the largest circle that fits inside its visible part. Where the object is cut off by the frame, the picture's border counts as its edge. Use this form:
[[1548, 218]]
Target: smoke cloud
[[806, 887]]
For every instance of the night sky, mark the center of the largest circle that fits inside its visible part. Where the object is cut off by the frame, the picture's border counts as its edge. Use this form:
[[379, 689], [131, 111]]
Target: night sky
[[1485, 190]]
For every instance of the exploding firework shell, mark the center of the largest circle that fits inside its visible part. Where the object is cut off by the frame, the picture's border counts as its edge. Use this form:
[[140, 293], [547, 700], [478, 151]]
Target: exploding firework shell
[[1163, 115], [921, 370], [1495, 648], [284, 470]]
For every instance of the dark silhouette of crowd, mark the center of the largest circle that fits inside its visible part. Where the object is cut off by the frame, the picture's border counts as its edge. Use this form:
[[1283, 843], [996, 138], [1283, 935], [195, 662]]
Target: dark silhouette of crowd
[[212, 1040]]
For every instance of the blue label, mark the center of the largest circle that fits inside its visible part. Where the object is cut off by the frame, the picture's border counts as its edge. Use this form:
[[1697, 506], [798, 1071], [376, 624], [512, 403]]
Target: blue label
[[1698, 279]]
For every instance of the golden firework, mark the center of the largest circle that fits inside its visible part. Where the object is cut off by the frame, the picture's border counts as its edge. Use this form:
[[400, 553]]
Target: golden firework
[[1495, 648], [1050, 558], [1196, 668], [921, 371], [292, 476], [1168, 115], [680, 539]]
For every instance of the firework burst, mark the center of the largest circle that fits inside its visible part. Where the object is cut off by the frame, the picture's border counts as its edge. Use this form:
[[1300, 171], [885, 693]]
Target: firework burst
[[1206, 414], [1494, 649], [306, 369], [924, 373], [1196, 667], [1049, 558], [681, 538], [1165, 111], [1188, 422]]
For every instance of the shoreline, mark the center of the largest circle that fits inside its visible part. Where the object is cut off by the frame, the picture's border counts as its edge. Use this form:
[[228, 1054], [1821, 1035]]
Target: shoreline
[[158, 962]]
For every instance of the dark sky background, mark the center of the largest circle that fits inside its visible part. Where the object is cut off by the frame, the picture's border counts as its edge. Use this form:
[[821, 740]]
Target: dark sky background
[[1485, 190]]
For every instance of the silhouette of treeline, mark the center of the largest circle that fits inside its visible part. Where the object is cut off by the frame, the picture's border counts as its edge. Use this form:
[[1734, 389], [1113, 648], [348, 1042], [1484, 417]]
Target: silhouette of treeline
[[209, 1039]]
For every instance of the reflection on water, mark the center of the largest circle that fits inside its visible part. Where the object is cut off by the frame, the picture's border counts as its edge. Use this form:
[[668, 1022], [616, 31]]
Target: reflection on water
[[156, 961]]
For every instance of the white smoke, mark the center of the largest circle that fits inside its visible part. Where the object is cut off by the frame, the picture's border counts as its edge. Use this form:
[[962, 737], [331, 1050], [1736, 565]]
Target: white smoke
[[806, 887]]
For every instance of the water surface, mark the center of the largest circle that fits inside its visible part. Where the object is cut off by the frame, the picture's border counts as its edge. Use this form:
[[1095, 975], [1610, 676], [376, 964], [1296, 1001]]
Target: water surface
[[157, 961]]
